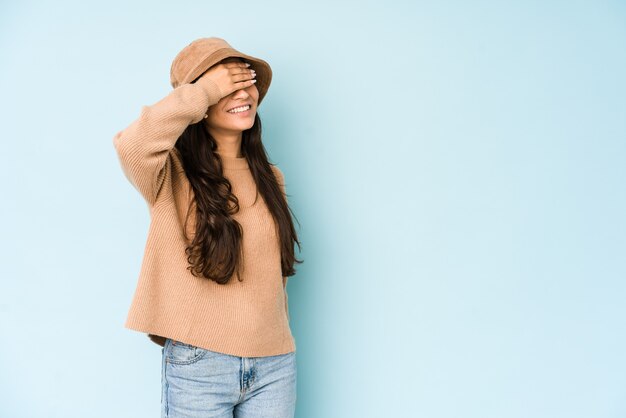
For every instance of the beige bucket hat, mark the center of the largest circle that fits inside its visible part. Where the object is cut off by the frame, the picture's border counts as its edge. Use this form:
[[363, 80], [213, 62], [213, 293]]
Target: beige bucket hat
[[200, 55]]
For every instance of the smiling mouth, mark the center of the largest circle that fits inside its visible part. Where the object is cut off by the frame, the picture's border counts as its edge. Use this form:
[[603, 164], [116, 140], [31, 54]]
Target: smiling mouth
[[240, 111]]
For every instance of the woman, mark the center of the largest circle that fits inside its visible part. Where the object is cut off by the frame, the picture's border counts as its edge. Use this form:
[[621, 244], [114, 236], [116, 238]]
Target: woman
[[212, 286]]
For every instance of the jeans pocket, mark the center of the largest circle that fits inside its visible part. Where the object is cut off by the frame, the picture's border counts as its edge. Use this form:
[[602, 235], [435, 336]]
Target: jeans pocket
[[178, 352]]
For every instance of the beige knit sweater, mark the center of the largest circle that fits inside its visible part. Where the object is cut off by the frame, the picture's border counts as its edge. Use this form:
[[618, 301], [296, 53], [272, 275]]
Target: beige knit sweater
[[243, 318]]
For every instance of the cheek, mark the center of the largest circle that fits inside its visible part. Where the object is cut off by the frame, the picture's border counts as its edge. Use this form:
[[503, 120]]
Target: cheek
[[215, 112], [214, 117]]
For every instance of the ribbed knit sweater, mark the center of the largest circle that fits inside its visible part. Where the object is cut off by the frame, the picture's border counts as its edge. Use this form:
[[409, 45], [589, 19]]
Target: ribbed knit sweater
[[243, 318]]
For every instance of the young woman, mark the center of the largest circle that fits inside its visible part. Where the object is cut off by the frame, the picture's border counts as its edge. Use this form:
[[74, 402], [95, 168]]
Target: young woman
[[220, 247]]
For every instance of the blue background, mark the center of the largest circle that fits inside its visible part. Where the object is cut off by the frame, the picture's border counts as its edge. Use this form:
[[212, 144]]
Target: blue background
[[457, 170]]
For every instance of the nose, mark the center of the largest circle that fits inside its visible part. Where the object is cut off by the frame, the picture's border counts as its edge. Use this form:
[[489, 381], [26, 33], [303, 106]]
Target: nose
[[241, 93]]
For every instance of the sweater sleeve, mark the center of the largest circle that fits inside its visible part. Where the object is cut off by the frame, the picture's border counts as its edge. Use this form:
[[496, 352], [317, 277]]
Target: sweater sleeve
[[281, 182], [280, 177], [144, 145]]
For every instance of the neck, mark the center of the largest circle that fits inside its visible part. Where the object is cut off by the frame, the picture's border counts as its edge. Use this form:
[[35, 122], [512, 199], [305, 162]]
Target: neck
[[228, 142]]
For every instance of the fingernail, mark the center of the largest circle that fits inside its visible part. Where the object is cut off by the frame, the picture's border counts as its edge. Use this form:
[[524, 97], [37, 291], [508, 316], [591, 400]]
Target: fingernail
[[248, 64]]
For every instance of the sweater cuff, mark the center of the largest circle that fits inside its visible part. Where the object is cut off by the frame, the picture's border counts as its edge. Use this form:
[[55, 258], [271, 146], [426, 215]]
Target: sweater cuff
[[211, 91]]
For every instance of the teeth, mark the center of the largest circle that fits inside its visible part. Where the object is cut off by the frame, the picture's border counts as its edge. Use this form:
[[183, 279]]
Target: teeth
[[239, 109]]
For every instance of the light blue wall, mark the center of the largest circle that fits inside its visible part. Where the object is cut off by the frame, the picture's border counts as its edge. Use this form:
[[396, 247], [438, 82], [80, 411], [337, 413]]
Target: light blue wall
[[457, 170]]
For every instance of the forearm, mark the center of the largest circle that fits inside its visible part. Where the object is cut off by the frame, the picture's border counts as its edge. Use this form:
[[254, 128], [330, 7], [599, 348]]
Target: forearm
[[143, 146]]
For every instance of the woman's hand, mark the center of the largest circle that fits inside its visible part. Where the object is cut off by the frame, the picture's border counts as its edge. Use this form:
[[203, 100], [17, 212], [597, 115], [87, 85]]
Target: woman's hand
[[229, 76]]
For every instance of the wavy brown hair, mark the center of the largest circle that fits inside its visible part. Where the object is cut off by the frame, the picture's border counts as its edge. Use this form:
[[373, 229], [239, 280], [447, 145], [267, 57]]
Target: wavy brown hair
[[216, 249]]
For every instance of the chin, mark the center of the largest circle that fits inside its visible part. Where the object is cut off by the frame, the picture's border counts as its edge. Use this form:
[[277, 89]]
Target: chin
[[242, 126]]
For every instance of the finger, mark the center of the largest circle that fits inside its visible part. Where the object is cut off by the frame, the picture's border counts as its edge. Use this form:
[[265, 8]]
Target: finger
[[241, 70], [236, 64], [238, 71], [242, 76], [244, 84]]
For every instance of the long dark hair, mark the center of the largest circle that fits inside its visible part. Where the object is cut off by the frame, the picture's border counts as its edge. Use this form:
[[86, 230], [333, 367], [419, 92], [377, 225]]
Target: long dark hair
[[216, 248]]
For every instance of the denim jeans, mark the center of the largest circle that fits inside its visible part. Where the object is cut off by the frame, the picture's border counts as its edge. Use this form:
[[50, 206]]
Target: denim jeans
[[197, 382]]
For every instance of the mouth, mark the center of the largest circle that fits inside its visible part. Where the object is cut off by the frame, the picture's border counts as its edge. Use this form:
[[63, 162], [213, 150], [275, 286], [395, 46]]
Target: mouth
[[241, 110]]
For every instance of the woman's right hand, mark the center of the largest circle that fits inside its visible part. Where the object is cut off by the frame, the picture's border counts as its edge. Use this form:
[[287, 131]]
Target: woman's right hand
[[229, 77]]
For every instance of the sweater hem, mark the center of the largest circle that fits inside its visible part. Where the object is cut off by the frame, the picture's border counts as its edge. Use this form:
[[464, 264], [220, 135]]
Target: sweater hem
[[157, 336]]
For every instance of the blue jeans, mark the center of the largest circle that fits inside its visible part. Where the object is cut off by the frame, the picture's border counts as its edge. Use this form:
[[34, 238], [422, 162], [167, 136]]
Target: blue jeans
[[197, 382]]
